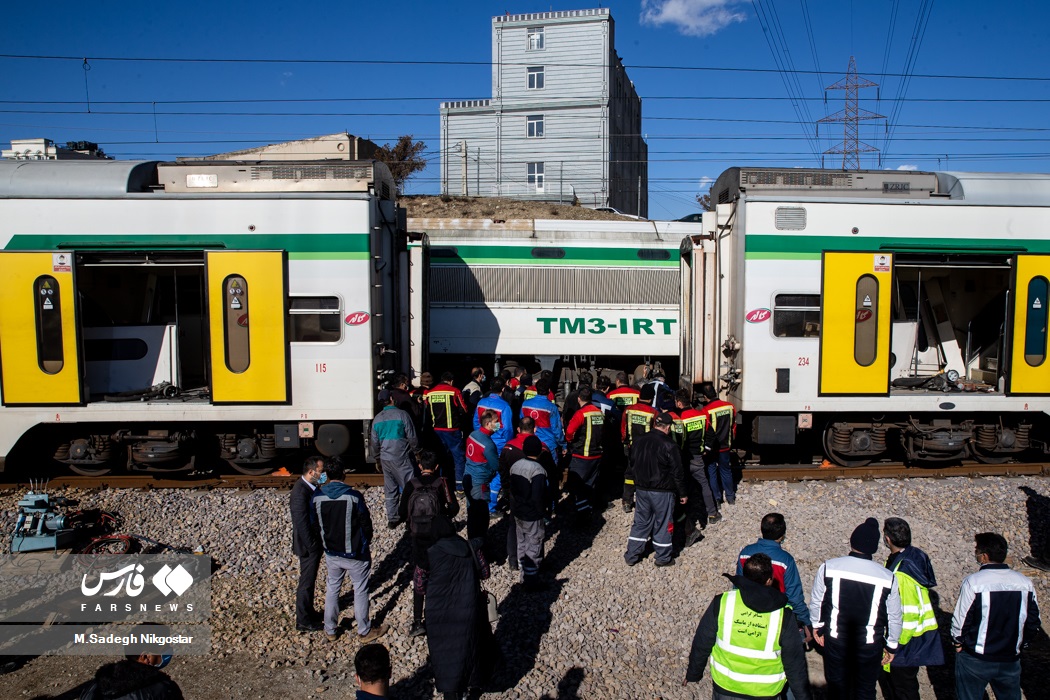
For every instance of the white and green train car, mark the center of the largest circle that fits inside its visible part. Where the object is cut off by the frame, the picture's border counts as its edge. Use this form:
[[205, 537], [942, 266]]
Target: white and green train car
[[876, 314], [156, 314], [553, 294]]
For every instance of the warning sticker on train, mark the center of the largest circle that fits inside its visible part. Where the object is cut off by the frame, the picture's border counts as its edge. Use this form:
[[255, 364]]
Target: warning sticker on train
[[758, 315], [61, 262], [357, 318], [882, 263]]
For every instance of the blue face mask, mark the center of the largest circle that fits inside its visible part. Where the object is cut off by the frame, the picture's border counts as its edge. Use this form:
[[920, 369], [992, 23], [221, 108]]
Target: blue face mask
[[165, 659], [322, 480]]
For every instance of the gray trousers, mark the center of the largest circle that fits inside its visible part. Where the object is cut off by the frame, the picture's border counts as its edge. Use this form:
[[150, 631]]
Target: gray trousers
[[698, 470], [653, 511], [529, 536], [360, 570], [395, 476]]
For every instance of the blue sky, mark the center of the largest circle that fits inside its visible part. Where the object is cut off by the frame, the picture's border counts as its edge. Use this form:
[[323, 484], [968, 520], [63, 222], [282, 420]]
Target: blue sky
[[159, 109]]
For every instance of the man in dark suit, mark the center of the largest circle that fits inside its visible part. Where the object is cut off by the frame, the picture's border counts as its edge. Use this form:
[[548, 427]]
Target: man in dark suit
[[306, 544]]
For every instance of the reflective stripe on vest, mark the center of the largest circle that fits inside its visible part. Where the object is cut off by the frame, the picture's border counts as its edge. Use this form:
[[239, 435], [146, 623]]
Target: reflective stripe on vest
[[917, 610], [746, 657]]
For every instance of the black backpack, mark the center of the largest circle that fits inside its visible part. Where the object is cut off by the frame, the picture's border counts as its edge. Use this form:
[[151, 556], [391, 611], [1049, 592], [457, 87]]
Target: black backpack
[[423, 506]]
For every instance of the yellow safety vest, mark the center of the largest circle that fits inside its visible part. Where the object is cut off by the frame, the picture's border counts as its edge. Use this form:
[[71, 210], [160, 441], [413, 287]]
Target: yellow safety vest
[[917, 611], [746, 658]]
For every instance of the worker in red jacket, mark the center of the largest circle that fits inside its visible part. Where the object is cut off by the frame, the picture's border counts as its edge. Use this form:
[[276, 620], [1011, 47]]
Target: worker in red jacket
[[721, 416], [584, 436], [637, 421]]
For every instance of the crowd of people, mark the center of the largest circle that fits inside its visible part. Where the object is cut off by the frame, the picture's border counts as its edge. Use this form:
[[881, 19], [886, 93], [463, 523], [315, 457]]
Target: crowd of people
[[505, 446]]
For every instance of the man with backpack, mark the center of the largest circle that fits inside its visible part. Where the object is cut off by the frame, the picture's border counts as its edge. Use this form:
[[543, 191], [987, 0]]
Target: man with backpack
[[428, 506]]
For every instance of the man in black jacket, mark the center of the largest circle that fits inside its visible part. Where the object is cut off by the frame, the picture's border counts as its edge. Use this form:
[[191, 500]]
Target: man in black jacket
[[306, 544], [759, 650], [656, 470]]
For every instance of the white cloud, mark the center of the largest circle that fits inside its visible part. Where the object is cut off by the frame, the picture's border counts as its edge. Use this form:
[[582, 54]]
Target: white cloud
[[692, 17], [706, 182], [907, 167]]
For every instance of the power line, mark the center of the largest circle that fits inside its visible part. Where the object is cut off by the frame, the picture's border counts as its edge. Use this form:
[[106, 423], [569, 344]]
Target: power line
[[335, 61]]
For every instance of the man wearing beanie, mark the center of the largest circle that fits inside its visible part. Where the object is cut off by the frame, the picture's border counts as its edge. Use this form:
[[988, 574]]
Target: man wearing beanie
[[856, 612], [528, 505], [637, 421]]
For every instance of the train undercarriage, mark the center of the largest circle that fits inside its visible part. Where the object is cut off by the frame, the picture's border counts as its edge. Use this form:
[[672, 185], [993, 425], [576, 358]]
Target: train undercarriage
[[916, 440], [254, 449]]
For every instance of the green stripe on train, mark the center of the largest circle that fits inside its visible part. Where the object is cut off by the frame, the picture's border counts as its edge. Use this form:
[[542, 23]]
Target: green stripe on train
[[300, 246], [523, 255], [800, 247]]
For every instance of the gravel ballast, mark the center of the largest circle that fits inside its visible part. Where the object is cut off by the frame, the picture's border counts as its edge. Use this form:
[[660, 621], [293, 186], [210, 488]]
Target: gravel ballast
[[600, 630]]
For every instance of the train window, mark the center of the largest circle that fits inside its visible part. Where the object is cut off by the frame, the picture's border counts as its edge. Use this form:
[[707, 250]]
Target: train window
[[1035, 322], [48, 304], [444, 252], [653, 254], [548, 252], [866, 321], [796, 315], [235, 323], [316, 319]]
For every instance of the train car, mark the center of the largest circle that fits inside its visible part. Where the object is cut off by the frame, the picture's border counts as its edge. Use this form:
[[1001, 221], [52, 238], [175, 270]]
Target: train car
[[553, 294], [154, 315], [875, 315]]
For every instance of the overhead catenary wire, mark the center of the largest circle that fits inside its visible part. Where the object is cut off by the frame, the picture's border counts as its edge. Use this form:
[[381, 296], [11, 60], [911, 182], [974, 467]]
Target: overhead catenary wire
[[487, 64]]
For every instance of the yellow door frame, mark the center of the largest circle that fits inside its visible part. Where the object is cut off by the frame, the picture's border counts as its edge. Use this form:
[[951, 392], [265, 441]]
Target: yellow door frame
[[855, 311]]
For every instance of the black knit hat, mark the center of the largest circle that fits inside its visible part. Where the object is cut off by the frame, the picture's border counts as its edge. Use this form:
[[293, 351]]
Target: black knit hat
[[532, 446], [865, 539]]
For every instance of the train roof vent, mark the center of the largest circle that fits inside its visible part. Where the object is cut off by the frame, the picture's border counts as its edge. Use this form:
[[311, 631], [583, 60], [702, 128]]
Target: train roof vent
[[206, 177], [791, 218]]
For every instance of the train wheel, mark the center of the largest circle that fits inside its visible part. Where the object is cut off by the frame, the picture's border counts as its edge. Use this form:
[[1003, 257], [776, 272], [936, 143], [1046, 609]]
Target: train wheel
[[837, 458], [89, 470], [985, 458], [250, 469]]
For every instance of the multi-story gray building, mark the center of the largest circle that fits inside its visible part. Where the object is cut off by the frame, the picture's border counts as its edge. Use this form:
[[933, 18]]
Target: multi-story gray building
[[564, 119]]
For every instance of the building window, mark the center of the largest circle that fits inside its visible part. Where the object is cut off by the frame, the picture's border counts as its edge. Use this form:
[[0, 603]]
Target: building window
[[536, 176], [316, 320], [534, 126], [535, 38], [535, 77], [796, 315]]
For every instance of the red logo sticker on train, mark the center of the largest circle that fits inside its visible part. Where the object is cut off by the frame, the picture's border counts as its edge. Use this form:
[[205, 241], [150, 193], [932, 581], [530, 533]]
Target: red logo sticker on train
[[758, 315], [863, 315], [357, 318], [242, 320]]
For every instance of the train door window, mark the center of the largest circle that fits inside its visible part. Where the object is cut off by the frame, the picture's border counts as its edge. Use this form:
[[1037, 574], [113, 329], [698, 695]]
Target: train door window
[[235, 323], [535, 38], [535, 176], [316, 319], [866, 320], [534, 126], [48, 324], [1035, 327], [534, 77], [796, 315]]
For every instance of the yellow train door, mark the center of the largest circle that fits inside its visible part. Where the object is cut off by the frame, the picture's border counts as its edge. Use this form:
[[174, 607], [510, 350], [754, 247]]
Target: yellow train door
[[855, 323], [39, 346], [247, 293], [1029, 368]]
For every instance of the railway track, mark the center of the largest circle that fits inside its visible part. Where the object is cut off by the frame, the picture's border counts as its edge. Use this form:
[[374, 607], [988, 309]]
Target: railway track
[[786, 472]]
